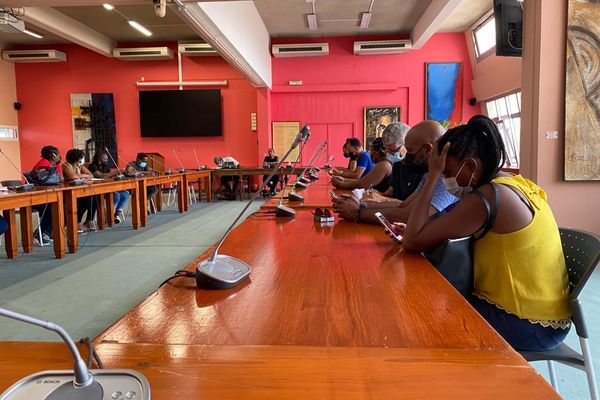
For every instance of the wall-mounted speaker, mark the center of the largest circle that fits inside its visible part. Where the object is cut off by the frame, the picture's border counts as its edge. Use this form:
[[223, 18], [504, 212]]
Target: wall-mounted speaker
[[472, 101], [17, 106]]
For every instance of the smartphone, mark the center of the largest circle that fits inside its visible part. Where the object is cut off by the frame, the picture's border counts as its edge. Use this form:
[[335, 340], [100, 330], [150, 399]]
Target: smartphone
[[333, 195], [389, 227]]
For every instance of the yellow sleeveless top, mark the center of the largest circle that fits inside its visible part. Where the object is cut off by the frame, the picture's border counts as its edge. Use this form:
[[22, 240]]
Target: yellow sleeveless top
[[524, 272]]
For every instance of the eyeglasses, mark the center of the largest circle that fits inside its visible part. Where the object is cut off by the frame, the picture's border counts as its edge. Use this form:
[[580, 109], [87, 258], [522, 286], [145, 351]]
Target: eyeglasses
[[396, 150]]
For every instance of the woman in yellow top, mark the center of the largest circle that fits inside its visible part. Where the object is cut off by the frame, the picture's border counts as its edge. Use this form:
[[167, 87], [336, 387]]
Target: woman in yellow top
[[520, 278]]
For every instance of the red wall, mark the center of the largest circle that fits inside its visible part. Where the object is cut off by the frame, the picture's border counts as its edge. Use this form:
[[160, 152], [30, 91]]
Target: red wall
[[329, 92], [45, 118]]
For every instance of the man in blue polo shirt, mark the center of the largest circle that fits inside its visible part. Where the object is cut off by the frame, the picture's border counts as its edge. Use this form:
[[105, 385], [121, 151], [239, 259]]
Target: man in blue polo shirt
[[363, 160]]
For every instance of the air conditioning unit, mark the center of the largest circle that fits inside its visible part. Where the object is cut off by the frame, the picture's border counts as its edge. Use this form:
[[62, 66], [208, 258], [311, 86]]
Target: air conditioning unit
[[382, 47], [197, 49], [143, 53], [300, 50], [33, 56]]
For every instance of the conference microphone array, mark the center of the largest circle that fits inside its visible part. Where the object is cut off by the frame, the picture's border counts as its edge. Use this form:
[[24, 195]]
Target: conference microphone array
[[79, 383], [291, 186], [27, 187], [302, 182], [221, 271]]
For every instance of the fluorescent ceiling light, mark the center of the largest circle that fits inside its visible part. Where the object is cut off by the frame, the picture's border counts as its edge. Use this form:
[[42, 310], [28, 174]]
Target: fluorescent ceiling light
[[312, 21], [139, 27], [32, 33], [109, 7], [365, 19]]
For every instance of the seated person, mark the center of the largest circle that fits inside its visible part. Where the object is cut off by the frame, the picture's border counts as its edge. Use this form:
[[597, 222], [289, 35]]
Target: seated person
[[269, 162], [363, 161], [521, 285], [378, 178], [393, 137], [352, 159], [74, 169], [3, 225], [229, 184], [140, 166], [50, 158], [100, 169], [420, 139]]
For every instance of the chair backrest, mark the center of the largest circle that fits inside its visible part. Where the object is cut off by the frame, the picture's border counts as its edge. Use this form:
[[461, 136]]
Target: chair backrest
[[582, 255]]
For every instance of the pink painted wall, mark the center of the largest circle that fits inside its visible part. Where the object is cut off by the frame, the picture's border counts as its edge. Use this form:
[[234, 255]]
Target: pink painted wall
[[337, 87], [8, 117], [575, 204], [44, 90]]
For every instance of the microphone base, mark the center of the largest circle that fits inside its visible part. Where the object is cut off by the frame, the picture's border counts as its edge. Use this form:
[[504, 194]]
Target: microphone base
[[77, 182], [27, 187], [284, 211], [58, 385], [293, 196], [119, 177], [169, 172], [304, 180], [223, 272], [300, 185], [313, 177], [181, 170]]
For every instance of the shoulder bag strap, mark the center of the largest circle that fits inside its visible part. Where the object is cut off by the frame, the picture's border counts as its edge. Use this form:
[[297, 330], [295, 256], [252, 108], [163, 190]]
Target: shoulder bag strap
[[491, 212]]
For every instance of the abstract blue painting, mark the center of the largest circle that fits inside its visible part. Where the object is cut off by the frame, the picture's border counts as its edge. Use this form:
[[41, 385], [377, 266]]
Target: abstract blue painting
[[443, 88]]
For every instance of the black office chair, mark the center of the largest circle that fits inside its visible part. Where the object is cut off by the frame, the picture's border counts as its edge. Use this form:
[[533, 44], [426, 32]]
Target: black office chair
[[582, 256]]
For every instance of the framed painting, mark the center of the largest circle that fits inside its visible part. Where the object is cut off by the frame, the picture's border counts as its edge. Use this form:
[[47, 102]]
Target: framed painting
[[444, 92], [582, 91], [375, 121]]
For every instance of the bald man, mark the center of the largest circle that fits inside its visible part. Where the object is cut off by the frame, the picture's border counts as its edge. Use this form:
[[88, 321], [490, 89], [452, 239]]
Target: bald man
[[419, 142]]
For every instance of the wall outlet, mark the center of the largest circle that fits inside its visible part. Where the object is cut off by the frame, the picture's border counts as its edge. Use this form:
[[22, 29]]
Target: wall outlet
[[551, 134]]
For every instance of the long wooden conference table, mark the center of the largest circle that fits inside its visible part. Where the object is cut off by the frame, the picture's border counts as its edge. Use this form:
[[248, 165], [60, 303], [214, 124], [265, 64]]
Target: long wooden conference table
[[328, 312]]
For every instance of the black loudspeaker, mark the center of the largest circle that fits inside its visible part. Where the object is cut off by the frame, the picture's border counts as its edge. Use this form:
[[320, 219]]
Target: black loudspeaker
[[472, 101], [509, 27], [17, 106]]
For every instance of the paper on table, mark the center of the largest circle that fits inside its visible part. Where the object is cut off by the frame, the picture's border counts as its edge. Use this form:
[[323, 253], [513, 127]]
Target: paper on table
[[359, 193]]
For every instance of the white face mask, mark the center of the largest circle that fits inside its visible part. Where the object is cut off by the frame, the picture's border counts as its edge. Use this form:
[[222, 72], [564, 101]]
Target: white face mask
[[142, 164], [394, 157], [80, 162], [452, 186]]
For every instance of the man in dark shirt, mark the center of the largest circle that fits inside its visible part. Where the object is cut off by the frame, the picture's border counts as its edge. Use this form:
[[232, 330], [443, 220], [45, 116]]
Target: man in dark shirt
[[100, 169], [269, 162], [140, 165]]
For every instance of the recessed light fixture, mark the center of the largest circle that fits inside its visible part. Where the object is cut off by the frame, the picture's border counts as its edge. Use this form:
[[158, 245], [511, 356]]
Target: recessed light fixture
[[312, 21], [139, 27], [32, 33], [107, 6], [365, 19]]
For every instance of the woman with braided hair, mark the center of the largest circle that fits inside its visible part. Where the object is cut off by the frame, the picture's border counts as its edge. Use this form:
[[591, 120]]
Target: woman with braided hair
[[520, 278]]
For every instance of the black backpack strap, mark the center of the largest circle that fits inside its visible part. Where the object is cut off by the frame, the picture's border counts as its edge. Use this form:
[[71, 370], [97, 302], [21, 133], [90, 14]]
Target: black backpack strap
[[491, 212]]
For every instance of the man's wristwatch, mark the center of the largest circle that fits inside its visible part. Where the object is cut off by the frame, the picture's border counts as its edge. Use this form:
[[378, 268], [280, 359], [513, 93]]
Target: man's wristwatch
[[361, 206]]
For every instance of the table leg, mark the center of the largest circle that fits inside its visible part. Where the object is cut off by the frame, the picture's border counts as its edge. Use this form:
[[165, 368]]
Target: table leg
[[100, 215], [135, 207], [10, 236], [110, 209], [208, 187], [58, 222], [26, 229], [158, 199], [181, 194], [72, 223], [143, 203], [186, 199]]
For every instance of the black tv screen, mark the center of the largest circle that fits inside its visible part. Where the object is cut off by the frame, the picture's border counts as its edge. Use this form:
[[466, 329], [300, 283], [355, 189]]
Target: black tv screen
[[172, 113]]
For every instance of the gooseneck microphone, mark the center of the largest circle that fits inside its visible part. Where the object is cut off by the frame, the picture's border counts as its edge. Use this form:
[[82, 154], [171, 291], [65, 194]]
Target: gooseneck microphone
[[129, 163], [200, 167], [302, 182], [80, 383], [121, 175], [27, 187], [221, 271], [179, 161]]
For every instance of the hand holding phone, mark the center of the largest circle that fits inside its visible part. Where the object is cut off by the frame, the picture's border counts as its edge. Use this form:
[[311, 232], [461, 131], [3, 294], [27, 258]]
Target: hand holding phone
[[333, 195], [389, 228]]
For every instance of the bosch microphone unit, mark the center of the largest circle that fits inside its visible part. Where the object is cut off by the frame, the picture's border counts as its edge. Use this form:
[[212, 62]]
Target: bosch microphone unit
[[224, 272], [135, 174], [179, 161], [26, 187], [79, 383], [121, 175]]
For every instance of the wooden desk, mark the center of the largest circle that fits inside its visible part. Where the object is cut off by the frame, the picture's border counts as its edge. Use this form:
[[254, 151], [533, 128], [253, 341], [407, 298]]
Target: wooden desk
[[160, 180], [53, 196], [346, 285], [250, 171], [197, 176], [105, 190], [314, 196], [289, 372]]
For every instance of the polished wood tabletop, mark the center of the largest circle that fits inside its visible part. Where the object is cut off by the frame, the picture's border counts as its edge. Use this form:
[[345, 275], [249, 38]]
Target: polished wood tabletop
[[343, 285], [316, 195], [296, 372]]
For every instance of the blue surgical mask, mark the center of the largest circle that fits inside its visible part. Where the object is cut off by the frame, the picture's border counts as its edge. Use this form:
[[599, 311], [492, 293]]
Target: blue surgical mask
[[452, 186], [394, 157], [142, 164]]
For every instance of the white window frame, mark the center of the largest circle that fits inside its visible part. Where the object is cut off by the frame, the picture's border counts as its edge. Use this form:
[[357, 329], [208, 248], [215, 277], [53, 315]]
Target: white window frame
[[476, 26], [10, 127], [511, 143]]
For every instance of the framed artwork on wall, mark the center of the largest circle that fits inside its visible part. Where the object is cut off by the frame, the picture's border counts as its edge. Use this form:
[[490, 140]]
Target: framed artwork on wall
[[284, 133], [444, 92], [582, 92], [376, 118], [94, 127]]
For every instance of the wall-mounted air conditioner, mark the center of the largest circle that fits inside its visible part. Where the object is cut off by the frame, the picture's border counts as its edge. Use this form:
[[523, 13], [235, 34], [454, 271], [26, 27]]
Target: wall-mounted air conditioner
[[382, 47], [300, 50], [34, 56], [143, 53], [197, 49]]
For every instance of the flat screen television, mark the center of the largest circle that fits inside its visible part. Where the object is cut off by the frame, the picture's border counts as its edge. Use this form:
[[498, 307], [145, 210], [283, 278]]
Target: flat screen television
[[508, 15], [177, 113]]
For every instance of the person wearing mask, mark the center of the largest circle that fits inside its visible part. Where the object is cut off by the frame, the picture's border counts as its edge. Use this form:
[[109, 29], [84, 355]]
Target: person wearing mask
[[100, 169], [50, 158], [73, 169], [140, 166], [351, 159], [521, 285], [269, 162], [379, 176], [420, 139], [363, 160]]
